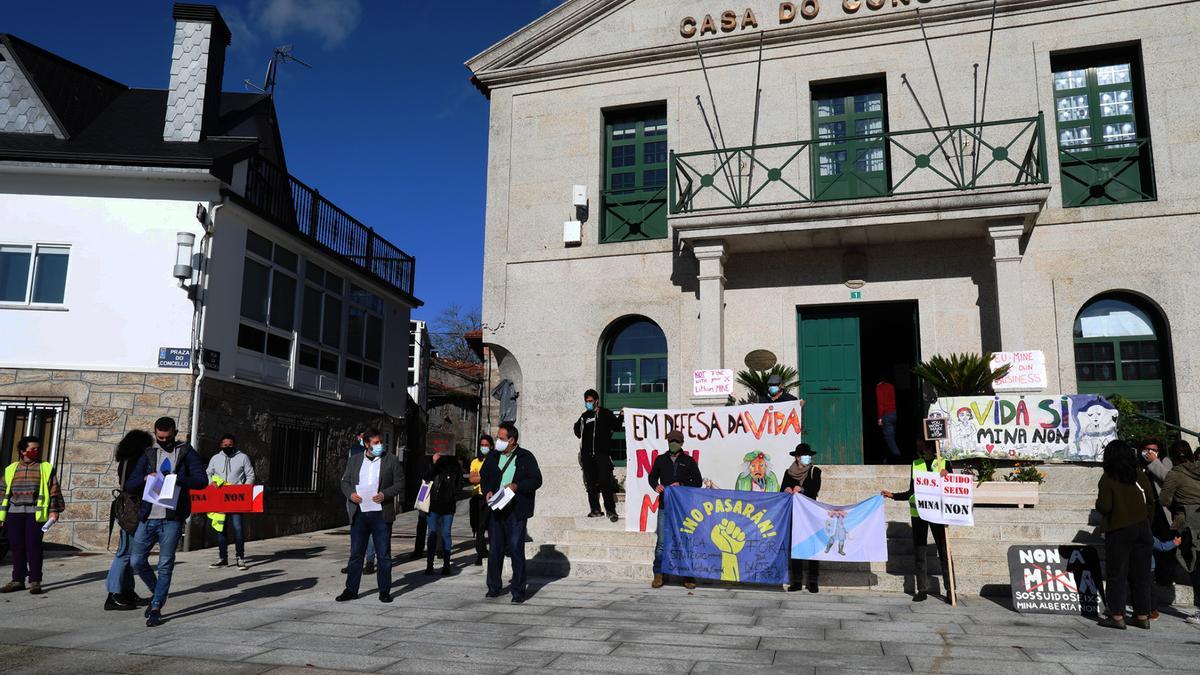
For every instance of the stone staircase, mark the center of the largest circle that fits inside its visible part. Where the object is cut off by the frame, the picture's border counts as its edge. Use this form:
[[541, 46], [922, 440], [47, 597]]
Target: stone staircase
[[594, 548]]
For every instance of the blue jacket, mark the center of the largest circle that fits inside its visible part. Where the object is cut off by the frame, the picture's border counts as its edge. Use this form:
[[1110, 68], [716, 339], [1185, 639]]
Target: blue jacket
[[190, 475]]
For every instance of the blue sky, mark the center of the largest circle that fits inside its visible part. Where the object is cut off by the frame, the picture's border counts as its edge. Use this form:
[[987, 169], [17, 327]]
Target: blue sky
[[385, 124]]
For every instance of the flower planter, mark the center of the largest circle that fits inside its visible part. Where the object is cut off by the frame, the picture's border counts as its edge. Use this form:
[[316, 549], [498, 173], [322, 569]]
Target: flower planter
[[1004, 493]]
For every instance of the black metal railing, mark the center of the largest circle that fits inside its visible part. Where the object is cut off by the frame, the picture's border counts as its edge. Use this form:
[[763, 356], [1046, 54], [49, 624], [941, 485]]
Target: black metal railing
[[1003, 153], [295, 206]]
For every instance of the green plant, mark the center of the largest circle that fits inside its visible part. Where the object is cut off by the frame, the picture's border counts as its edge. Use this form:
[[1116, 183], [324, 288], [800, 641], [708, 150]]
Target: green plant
[[985, 471], [960, 374], [756, 380], [1132, 428], [1025, 473]]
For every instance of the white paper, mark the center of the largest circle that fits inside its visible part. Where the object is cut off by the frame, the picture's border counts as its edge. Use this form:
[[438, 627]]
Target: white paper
[[367, 492], [501, 499], [161, 491], [49, 524]]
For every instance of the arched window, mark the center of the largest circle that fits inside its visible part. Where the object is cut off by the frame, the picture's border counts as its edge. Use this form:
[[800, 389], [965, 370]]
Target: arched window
[[634, 365], [1121, 348]]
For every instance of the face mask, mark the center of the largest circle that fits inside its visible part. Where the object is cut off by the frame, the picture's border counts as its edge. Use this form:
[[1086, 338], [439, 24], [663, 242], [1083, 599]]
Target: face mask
[[772, 390], [483, 449], [805, 459], [167, 444], [377, 450], [501, 445], [31, 455], [589, 405], [675, 447], [229, 451]]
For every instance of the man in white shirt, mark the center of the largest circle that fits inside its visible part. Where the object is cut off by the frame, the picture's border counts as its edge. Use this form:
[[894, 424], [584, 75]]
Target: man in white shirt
[[372, 481]]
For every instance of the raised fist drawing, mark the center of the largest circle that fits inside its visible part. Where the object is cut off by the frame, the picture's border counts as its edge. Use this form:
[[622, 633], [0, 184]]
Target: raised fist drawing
[[729, 540]]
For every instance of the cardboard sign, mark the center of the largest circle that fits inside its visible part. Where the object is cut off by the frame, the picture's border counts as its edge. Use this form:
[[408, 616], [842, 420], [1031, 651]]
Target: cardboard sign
[[1027, 371], [228, 499], [712, 382], [935, 429], [1055, 579], [946, 501]]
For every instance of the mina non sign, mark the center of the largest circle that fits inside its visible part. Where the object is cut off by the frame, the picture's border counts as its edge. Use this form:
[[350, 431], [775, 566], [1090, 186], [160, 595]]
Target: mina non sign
[[729, 21]]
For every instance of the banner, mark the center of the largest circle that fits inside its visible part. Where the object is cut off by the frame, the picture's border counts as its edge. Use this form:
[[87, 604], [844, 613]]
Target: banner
[[737, 447], [853, 533], [1066, 427], [1055, 579], [228, 499], [728, 535], [946, 501]]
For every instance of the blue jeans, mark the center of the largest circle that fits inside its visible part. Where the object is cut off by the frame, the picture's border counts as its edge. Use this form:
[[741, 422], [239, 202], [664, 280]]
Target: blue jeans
[[365, 528], [166, 534], [233, 520], [440, 526], [120, 573], [507, 535], [658, 541], [889, 434]]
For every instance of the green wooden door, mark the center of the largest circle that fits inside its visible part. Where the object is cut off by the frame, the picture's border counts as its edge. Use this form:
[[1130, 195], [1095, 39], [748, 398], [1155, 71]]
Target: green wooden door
[[830, 376]]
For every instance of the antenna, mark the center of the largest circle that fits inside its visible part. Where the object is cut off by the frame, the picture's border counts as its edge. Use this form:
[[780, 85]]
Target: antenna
[[283, 54]]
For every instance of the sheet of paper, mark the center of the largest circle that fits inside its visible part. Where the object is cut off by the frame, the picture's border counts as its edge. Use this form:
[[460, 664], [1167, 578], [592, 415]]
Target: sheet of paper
[[501, 499], [162, 491], [150, 492], [367, 492]]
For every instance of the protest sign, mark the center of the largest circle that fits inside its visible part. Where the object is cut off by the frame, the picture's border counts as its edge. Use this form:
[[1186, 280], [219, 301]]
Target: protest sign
[[730, 535], [737, 447], [945, 501], [1026, 372], [228, 499], [1055, 579], [852, 533], [712, 382], [1066, 427]]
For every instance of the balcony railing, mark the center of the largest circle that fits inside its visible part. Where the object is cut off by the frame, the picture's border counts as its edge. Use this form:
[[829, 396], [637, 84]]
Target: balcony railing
[[1006, 153], [301, 209], [1112, 172]]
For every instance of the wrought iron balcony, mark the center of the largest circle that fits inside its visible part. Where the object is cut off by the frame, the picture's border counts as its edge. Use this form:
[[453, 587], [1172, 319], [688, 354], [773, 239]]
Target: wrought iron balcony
[[1113, 172], [999, 154], [294, 206]]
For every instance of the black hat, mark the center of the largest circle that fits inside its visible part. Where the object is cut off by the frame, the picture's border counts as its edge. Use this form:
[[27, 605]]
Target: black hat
[[803, 449], [775, 379]]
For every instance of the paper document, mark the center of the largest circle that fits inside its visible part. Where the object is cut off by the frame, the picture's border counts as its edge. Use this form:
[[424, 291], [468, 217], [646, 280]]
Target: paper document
[[161, 491], [367, 492], [49, 524], [501, 499]]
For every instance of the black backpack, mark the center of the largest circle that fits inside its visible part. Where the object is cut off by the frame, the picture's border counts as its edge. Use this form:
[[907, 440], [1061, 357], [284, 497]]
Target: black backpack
[[444, 493]]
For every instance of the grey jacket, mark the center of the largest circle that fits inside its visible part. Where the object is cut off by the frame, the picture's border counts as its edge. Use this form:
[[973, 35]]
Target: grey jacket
[[391, 481], [236, 470]]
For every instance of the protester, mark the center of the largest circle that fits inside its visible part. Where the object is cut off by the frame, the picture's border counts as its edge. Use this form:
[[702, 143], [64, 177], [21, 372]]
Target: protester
[[423, 464], [32, 500], [1125, 499], [885, 408], [927, 460], [358, 448], [673, 469], [480, 513], [379, 475], [445, 473], [121, 595], [516, 469], [158, 524], [234, 468], [594, 429], [1152, 461], [1181, 494], [775, 392], [803, 478]]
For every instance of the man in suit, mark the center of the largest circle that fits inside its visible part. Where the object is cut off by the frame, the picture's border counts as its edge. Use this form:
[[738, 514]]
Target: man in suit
[[371, 515], [515, 468]]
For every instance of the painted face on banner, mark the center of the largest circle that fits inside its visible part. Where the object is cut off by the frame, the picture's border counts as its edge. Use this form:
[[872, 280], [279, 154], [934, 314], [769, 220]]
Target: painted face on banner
[[758, 468]]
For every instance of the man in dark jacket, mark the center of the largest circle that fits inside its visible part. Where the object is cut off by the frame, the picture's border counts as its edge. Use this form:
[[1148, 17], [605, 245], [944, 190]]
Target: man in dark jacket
[[803, 478], [673, 469], [927, 460], [775, 391], [371, 515], [511, 468], [159, 524], [594, 429]]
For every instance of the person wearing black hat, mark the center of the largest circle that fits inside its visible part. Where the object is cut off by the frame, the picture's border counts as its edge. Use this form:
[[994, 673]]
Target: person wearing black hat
[[676, 468], [775, 391], [803, 478]]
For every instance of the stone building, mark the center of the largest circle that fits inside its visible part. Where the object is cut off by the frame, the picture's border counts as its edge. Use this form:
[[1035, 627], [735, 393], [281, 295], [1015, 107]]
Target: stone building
[[829, 182], [284, 321], [455, 392]]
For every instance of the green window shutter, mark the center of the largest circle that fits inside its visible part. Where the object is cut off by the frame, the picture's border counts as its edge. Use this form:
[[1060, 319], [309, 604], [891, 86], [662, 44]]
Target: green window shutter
[[635, 175], [849, 160]]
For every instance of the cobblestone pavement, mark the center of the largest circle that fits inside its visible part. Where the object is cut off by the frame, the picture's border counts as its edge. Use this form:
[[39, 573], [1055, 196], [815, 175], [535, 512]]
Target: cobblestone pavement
[[280, 616]]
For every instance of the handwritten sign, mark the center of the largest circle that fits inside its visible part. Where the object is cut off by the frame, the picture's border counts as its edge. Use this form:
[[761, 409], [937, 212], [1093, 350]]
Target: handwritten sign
[[1027, 370], [946, 501], [712, 382], [935, 429], [1062, 427]]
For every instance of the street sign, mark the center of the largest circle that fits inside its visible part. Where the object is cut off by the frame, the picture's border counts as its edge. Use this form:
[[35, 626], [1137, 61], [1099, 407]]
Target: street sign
[[212, 360], [174, 357], [935, 429]]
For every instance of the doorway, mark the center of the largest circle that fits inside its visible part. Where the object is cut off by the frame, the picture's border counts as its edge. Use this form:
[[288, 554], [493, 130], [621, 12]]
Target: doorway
[[844, 349]]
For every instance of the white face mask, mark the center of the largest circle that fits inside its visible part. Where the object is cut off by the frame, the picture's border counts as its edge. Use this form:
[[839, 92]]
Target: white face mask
[[806, 459], [483, 449], [501, 445]]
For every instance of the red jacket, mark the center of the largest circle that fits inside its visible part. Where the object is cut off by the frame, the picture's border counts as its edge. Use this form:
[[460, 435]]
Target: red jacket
[[885, 399]]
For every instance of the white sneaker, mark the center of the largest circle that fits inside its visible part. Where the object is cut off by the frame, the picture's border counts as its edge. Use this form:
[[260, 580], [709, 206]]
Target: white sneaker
[[219, 563], [1194, 618], [241, 564]]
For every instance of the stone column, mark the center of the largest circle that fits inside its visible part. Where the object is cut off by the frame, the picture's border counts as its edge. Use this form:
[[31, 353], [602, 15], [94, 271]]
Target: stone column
[[1006, 247], [711, 277]]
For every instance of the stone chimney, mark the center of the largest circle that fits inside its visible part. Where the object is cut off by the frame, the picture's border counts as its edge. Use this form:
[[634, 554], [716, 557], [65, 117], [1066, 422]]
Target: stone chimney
[[197, 65]]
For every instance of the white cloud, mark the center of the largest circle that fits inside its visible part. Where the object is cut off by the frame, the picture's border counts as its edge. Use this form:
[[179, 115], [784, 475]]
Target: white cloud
[[330, 20]]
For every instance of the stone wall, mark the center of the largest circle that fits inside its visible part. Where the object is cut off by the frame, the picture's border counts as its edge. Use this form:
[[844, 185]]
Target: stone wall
[[104, 406]]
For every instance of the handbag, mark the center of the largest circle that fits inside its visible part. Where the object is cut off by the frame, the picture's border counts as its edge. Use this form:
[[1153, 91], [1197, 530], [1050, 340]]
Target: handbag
[[423, 495], [124, 511]]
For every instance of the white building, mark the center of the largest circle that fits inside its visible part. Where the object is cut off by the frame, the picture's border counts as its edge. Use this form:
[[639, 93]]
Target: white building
[[419, 355], [301, 312]]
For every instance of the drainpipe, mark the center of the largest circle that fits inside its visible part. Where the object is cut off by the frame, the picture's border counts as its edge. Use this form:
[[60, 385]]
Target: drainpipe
[[201, 312]]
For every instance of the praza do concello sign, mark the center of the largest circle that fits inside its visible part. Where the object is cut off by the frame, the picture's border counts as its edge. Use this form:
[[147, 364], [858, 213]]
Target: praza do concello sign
[[1048, 427]]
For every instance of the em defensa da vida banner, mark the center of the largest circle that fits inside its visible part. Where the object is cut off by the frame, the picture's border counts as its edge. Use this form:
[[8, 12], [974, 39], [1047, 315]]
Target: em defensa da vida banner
[[737, 448], [1046, 427]]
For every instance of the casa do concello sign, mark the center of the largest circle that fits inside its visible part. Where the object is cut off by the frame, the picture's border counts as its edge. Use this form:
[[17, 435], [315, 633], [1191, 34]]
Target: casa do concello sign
[[730, 20]]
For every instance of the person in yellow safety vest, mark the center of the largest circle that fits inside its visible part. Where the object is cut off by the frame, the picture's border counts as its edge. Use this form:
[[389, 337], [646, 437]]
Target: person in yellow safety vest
[[927, 461], [233, 467], [217, 520], [32, 500]]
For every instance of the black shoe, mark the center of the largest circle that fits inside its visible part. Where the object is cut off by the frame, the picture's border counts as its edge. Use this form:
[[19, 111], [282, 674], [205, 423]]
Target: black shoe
[[921, 596], [118, 603], [792, 588], [429, 569], [146, 613], [1144, 624], [418, 554], [369, 569], [613, 517], [447, 570], [345, 570], [153, 619], [478, 560], [137, 601], [385, 597], [595, 514], [346, 596], [517, 599], [813, 588], [492, 594], [1109, 622], [221, 562]]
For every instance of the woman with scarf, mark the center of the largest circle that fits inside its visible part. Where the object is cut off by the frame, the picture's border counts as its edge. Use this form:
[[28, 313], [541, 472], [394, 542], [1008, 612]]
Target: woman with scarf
[[803, 478]]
